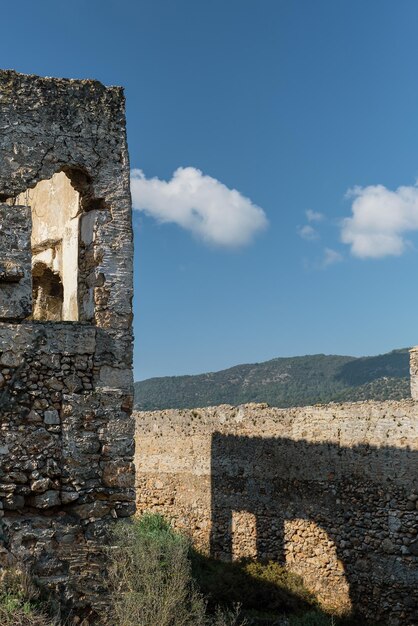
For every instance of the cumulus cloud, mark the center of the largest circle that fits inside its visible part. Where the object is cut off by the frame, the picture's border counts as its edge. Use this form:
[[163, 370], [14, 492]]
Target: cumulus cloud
[[314, 216], [308, 232], [380, 220], [199, 203], [331, 257]]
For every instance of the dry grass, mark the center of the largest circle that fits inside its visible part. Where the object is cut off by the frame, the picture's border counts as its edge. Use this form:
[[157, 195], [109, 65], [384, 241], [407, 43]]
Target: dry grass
[[19, 600]]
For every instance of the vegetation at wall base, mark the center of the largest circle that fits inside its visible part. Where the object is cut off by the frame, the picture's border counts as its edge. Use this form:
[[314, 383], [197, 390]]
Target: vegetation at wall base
[[284, 382], [156, 577], [251, 584], [19, 600], [150, 579], [268, 593]]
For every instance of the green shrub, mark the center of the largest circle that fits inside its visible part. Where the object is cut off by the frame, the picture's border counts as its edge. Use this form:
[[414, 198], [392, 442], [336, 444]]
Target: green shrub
[[150, 578]]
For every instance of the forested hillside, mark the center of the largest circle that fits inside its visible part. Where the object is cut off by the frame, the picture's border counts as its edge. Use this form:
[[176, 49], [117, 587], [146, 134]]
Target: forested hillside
[[283, 382]]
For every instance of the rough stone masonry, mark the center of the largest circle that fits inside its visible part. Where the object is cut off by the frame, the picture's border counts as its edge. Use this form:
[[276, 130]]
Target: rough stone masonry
[[329, 491], [66, 438]]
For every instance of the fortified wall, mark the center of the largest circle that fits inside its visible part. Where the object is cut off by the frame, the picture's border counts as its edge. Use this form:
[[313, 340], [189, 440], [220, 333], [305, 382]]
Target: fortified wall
[[330, 491], [66, 436]]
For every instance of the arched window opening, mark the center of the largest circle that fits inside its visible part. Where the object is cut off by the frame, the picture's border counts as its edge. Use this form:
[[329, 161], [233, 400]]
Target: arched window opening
[[55, 207], [65, 216], [47, 294]]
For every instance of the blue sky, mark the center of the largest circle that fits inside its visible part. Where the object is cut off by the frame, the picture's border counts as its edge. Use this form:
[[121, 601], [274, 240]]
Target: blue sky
[[290, 102]]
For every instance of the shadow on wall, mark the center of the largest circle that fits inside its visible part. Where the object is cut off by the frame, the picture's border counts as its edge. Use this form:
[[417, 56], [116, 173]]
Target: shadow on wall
[[344, 518]]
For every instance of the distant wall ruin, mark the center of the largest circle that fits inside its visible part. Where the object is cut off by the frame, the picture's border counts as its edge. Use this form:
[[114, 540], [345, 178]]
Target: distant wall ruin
[[66, 432], [331, 491]]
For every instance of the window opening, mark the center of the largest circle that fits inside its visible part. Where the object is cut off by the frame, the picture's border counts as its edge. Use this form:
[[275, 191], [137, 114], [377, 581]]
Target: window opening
[[55, 206]]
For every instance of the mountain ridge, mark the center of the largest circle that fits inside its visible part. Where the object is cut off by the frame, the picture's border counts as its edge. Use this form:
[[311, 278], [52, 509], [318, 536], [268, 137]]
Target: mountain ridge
[[284, 382]]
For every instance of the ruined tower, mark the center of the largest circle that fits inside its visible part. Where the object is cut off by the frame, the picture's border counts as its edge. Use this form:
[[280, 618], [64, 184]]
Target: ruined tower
[[66, 438]]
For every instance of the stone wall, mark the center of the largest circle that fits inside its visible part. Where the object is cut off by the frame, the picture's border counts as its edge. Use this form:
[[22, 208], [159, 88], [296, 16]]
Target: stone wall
[[332, 491], [15, 270], [66, 431]]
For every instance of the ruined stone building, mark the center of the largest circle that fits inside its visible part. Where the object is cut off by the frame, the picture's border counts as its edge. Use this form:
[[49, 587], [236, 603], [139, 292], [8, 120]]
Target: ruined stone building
[[330, 491], [66, 438]]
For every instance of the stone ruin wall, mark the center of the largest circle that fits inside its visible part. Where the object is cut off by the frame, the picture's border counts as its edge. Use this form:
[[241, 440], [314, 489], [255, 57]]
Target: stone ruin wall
[[66, 431], [331, 491]]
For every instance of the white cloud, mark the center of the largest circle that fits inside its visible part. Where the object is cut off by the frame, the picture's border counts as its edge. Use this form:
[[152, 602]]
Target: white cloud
[[200, 204], [380, 219], [308, 232], [314, 216], [331, 257]]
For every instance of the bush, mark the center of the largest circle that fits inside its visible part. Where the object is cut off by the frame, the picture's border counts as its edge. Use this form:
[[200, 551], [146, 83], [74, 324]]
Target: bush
[[151, 581]]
